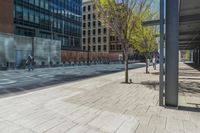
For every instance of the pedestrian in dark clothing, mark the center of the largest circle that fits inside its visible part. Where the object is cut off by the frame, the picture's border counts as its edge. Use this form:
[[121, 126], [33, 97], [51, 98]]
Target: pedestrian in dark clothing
[[29, 62]]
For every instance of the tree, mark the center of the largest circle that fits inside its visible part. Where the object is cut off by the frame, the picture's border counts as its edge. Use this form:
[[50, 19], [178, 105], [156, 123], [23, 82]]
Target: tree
[[144, 38], [145, 41], [122, 16]]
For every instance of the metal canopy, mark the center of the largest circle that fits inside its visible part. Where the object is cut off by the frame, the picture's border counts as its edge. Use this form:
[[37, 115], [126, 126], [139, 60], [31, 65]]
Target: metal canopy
[[189, 20], [182, 30], [189, 29]]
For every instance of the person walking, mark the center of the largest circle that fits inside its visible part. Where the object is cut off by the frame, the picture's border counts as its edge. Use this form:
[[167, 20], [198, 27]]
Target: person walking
[[154, 62], [30, 62]]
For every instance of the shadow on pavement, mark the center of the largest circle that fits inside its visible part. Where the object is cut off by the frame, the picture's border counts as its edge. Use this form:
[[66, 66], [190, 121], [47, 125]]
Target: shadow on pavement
[[57, 79], [153, 85], [194, 66], [189, 87], [191, 109]]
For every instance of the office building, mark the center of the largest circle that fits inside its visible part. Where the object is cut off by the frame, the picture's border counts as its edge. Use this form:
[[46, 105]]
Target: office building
[[51, 19], [95, 36]]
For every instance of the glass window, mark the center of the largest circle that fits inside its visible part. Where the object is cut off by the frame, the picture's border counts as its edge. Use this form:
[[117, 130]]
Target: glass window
[[46, 4], [89, 16], [94, 48], [46, 17], [42, 3], [31, 15], [99, 31], [99, 39], [104, 47], [84, 40], [94, 40], [94, 32], [99, 48], [84, 8], [36, 17], [83, 17], [89, 8], [41, 18], [84, 33], [88, 40], [104, 39], [84, 25], [31, 2], [120, 47], [37, 2], [88, 24], [113, 48], [59, 24], [25, 14], [94, 24], [19, 12], [55, 23], [104, 30], [72, 41], [66, 41], [66, 26], [94, 16], [99, 23]]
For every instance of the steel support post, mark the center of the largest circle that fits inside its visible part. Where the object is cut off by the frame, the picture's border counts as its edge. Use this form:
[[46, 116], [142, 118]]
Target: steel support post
[[191, 56], [195, 56], [198, 56], [172, 38], [161, 52]]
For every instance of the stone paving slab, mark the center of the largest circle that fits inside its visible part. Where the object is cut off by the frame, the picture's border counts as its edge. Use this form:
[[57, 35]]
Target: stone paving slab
[[14, 82], [97, 105]]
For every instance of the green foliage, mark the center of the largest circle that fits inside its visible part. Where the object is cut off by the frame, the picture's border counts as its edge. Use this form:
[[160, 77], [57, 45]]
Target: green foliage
[[144, 40], [119, 16], [125, 18]]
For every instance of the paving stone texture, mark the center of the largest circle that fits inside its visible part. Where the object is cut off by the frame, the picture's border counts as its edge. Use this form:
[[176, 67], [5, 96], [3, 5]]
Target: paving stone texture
[[100, 105]]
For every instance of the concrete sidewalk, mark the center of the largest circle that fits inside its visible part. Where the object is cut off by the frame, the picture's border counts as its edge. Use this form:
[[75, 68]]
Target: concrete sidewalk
[[97, 105]]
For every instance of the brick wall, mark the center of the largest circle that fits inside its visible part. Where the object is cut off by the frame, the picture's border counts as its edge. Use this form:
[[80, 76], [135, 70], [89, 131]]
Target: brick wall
[[70, 56], [6, 16]]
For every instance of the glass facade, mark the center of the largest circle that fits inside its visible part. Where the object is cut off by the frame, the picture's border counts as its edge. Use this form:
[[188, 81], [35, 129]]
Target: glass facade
[[53, 19]]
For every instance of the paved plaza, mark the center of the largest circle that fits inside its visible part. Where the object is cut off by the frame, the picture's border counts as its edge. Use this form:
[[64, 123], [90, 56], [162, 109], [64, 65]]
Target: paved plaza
[[13, 82], [102, 104]]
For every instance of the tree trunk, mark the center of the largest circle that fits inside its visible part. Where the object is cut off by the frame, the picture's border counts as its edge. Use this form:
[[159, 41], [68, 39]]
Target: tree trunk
[[147, 66], [126, 66]]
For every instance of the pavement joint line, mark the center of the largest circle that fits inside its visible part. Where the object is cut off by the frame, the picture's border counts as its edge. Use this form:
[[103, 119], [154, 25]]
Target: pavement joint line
[[6, 81], [141, 104], [57, 125], [17, 124]]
